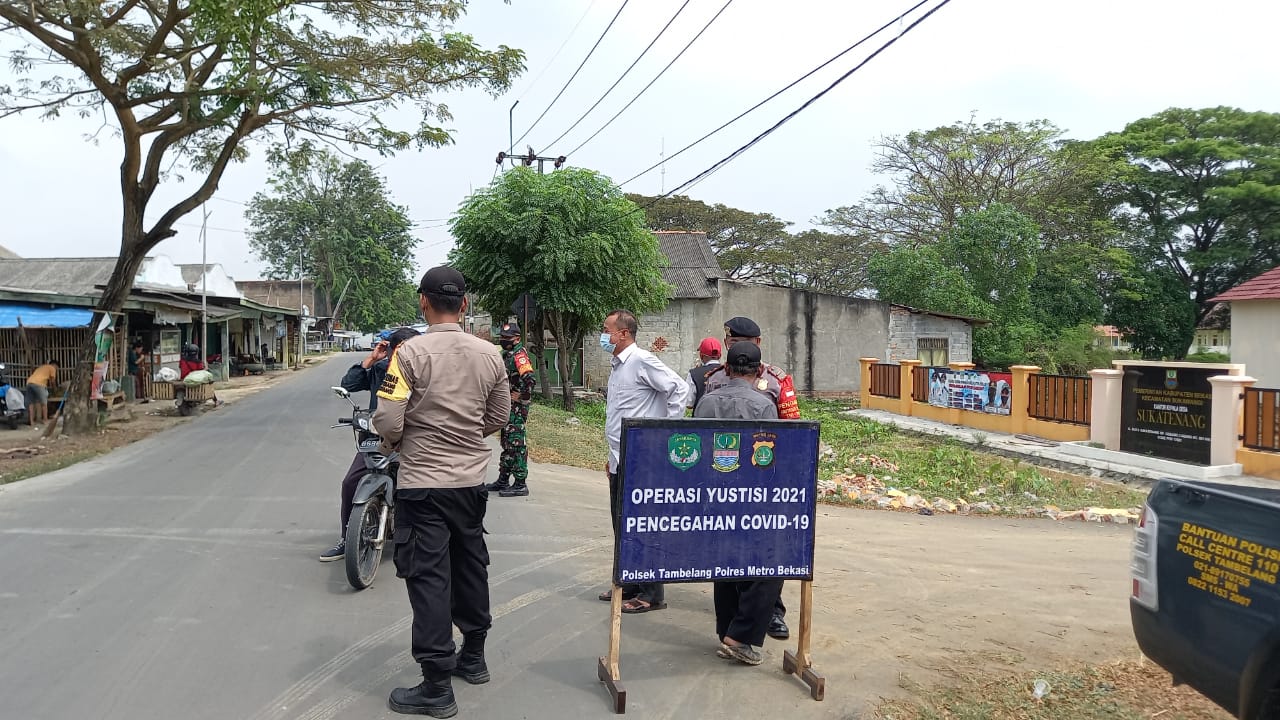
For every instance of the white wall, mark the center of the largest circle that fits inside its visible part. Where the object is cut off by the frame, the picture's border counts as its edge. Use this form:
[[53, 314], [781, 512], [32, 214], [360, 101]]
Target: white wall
[[1255, 341], [160, 270]]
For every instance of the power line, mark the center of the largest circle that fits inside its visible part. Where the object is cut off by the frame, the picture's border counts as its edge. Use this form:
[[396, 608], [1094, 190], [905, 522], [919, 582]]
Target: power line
[[560, 49], [731, 156], [622, 76], [575, 72], [758, 105], [654, 80]]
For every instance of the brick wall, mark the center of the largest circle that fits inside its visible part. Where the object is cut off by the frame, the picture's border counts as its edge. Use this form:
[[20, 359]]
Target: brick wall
[[906, 327]]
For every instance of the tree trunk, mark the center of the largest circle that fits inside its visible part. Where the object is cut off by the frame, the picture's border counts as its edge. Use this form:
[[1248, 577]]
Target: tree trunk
[[81, 416], [567, 330], [535, 338]]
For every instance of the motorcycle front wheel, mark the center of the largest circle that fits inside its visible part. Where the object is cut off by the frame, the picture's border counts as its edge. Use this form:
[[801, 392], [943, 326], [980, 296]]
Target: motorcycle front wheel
[[364, 553]]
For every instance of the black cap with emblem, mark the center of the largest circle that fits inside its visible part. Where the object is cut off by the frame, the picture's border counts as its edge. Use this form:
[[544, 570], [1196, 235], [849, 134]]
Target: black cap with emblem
[[443, 280], [741, 327], [509, 330]]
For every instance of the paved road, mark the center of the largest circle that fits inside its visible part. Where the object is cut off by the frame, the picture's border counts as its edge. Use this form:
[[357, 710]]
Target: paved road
[[177, 578]]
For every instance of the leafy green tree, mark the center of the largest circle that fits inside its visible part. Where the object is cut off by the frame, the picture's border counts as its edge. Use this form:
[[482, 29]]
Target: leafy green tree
[[187, 85], [1202, 196], [567, 237], [337, 220], [1153, 310], [748, 245], [936, 176]]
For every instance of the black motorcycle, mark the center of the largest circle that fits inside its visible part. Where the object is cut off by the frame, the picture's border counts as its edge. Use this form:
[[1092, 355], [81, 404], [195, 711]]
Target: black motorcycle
[[373, 509]]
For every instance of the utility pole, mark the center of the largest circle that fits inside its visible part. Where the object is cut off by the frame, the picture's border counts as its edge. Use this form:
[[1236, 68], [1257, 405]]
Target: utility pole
[[662, 155], [204, 285], [302, 325], [511, 130], [532, 157]]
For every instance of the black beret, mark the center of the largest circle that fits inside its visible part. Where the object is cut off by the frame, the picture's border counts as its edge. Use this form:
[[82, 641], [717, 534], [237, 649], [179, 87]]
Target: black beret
[[744, 353], [509, 330], [741, 327], [443, 280]]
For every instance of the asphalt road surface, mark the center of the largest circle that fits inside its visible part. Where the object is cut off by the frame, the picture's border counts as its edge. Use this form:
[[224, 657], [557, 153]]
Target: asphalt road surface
[[177, 578]]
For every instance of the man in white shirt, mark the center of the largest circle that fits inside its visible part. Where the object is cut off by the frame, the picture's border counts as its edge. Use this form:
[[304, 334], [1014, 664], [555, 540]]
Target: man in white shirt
[[640, 386]]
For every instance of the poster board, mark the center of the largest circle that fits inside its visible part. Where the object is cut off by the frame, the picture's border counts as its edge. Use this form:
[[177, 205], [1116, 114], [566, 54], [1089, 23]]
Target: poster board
[[978, 391], [1167, 412]]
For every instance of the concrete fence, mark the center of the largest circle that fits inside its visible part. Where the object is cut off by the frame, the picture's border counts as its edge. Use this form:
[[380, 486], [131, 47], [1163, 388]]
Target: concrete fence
[[913, 402]]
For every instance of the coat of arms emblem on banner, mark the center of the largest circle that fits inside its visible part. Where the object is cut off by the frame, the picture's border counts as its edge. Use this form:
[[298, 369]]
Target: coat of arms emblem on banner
[[684, 450], [724, 457]]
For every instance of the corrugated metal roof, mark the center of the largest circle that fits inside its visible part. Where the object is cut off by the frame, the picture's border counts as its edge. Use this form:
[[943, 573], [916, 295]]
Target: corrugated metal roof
[[1264, 287], [70, 276], [692, 268]]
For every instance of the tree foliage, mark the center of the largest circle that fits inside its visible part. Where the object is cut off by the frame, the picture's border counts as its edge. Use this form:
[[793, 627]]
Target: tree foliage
[[748, 245], [186, 84], [337, 220], [1201, 196], [571, 240]]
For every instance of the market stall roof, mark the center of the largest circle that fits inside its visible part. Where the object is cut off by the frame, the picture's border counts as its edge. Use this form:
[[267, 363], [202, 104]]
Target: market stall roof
[[31, 316]]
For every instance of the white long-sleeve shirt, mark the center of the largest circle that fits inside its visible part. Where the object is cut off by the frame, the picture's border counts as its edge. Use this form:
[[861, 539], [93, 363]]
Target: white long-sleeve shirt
[[640, 386]]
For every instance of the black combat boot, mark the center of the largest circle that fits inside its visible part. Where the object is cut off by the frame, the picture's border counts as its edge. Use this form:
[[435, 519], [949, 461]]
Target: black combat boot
[[434, 697], [502, 483], [518, 489], [471, 666]]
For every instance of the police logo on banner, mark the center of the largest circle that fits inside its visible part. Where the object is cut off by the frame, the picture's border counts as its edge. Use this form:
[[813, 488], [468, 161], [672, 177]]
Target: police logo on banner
[[762, 449], [684, 450], [724, 457]]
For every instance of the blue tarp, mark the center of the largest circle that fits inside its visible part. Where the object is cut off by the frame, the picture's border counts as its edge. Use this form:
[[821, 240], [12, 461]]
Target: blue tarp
[[37, 317]]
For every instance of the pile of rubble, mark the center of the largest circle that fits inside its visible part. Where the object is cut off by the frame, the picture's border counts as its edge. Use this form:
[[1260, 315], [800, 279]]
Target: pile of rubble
[[878, 491]]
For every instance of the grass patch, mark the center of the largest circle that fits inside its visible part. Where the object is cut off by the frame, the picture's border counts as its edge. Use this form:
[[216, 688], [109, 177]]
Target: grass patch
[[946, 468], [42, 465], [1122, 691], [927, 466]]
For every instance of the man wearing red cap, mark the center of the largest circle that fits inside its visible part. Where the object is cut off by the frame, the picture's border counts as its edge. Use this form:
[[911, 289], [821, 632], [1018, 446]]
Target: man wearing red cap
[[708, 360]]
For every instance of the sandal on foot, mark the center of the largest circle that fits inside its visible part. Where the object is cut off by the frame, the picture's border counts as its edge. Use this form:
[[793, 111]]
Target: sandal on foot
[[607, 596], [635, 606], [744, 654]]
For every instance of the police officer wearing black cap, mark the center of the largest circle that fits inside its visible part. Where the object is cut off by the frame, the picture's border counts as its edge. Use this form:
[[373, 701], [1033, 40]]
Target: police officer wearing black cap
[[444, 392], [514, 463], [774, 382]]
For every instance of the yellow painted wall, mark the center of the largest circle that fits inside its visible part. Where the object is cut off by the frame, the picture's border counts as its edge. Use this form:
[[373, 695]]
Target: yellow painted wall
[[1259, 462]]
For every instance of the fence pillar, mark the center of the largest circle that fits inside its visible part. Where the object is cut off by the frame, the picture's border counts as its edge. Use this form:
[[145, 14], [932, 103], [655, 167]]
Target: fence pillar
[[1104, 407], [864, 386], [1228, 417], [961, 366], [1019, 403], [906, 383]]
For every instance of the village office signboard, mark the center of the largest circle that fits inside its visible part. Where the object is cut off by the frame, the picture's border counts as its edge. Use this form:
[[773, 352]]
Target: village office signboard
[[1166, 411], [706, 500]]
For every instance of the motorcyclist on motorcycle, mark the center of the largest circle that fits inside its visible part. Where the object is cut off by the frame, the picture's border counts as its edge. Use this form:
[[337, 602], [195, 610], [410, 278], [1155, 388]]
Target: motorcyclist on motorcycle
[[365, 375]]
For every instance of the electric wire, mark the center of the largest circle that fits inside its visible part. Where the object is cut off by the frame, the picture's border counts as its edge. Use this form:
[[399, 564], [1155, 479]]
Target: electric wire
[[575, 73], [623, 76], [758, 105], [654, 80], [533, 83]]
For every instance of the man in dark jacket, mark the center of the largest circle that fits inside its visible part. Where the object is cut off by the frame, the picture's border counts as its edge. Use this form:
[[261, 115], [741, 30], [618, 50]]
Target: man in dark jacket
[[364, 376], [744, 610], [708, 360]]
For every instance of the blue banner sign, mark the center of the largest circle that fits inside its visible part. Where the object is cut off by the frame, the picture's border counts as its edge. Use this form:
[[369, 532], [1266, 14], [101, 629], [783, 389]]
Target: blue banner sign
[[706, 500]]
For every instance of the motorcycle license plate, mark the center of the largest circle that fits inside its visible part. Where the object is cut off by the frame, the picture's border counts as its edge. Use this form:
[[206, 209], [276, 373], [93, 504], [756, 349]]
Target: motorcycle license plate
[[370, 445]]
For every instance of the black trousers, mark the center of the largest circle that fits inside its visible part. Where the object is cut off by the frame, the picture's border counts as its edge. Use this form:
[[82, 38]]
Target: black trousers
[[744, 609], [349, 483], [440, 552], [652, 593]]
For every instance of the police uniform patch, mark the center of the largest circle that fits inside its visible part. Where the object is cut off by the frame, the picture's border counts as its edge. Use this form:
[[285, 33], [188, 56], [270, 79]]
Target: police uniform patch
[[393, 387]]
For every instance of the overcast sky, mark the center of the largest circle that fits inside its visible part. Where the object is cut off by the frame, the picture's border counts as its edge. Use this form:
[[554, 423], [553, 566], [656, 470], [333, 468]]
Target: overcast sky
[[1090, 66]]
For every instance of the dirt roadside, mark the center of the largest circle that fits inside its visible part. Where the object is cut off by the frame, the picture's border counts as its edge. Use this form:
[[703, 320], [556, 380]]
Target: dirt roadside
[[24, 453]]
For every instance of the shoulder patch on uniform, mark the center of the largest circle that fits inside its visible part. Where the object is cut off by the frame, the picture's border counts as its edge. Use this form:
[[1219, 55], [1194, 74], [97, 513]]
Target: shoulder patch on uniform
[[394, 388], [523, 366], [776, 371]]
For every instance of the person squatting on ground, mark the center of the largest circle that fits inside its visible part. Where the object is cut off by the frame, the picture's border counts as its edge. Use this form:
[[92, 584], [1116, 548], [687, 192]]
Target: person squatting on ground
[[514, 464], [744, 610], [444, 392], [640, 386], [364, 376], [777, 385]]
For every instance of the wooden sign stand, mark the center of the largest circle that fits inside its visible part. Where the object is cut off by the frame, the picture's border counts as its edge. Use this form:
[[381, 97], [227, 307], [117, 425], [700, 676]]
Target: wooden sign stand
[[799, 663], [608, 670]]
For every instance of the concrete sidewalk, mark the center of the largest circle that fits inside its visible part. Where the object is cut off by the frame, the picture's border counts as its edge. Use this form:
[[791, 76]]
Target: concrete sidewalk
[[1049, 453]]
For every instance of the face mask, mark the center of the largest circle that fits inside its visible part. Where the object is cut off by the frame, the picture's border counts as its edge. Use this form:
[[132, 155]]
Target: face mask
[[606, 345], [507, 344]]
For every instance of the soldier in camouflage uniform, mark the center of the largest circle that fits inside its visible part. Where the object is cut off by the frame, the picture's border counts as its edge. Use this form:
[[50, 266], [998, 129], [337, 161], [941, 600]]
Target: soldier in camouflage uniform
[[514, 464], [774, 382]]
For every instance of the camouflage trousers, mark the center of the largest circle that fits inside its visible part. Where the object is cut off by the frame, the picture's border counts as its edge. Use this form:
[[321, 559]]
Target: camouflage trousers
[[515, 452]]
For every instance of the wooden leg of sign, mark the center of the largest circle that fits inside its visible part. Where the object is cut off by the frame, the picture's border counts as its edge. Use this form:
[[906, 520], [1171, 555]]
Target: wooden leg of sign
[[608, 670], [801, 663]]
